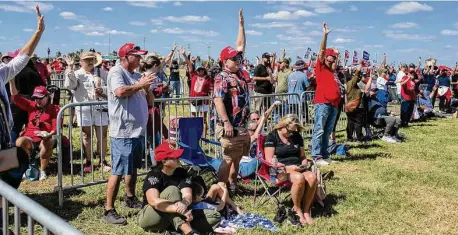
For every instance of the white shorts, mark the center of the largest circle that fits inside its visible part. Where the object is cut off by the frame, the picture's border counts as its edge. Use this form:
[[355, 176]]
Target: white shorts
[[98, 118], [199, 109]]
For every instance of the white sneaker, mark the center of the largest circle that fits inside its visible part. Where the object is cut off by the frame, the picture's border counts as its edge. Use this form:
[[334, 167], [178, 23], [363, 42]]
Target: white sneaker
[[42, 175], [321, 162], [389, 139], [396, 139]]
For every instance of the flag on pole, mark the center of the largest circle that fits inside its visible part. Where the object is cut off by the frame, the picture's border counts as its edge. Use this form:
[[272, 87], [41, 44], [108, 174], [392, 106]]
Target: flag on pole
[[366, 55], [355, 57], [307, 53], [314, 55], [347, 54]]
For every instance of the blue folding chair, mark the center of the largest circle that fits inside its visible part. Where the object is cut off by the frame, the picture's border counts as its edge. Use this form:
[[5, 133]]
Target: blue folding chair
[[189, 136]]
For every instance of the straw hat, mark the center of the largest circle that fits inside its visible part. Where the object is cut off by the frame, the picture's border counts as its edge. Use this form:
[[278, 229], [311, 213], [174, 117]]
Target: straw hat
[[88, 55]]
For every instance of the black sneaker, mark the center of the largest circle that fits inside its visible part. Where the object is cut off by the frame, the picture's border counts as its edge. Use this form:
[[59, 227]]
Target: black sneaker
[[112, 217], [133, 202], [293, 218], [280, 215]]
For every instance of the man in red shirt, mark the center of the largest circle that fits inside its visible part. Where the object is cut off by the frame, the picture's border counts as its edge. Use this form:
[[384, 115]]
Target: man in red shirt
[[408, 97], [41, 126], [42, 69], [327, 99]]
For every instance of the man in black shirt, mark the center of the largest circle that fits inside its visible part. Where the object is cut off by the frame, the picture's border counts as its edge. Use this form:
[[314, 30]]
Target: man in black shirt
[[175, 78], [167, 195], [264, 82]]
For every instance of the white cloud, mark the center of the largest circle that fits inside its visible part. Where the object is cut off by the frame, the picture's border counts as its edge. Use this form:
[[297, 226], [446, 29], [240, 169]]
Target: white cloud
[[346, 30], [324, 10], [177, 4], [297, 39], [353, 8], [68, 15], [63, 45], [107, 9], [448, 32], [137, 23], [13, 8], [156, 22], [190, 38], [411, 50], [26, 7], [272, 25], [373, 46], [408, 7], [116, 32], [404, 36], [404, 25], [149, 4], [287, 15], [177, 30], [253, 32], [94, 33], [315, 33], [309, 23], [343, 40], [2, 38], [153, 31], [27, 30], [187, 19]]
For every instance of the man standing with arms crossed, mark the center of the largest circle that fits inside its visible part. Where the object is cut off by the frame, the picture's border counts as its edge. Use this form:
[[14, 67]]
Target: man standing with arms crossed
[[128, 98]]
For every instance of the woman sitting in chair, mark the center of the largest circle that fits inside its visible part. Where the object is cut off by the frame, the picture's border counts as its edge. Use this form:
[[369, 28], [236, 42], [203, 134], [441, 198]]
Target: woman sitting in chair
[[285, 145], [41, 126]]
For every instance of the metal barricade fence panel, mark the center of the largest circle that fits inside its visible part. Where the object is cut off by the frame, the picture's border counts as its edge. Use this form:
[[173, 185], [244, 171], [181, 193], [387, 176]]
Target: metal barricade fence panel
[[34, 211], [57, 79]]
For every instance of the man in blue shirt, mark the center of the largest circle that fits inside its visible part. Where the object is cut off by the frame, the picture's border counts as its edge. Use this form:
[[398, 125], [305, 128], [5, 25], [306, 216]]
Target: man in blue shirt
[[297, 81]]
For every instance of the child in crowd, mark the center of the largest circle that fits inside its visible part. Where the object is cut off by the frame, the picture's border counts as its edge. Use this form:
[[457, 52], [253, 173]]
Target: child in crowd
[[216, 199]]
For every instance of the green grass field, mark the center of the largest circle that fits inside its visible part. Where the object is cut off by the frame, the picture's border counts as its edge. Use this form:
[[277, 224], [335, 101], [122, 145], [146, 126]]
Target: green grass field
[[407, 188]]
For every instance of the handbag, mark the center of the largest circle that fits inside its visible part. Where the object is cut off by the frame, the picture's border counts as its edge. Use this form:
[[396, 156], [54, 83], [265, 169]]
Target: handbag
[[350, 106], [320, 193]]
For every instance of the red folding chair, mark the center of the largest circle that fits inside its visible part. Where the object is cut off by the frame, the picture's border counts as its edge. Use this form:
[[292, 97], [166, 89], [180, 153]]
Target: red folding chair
[[266, 179]]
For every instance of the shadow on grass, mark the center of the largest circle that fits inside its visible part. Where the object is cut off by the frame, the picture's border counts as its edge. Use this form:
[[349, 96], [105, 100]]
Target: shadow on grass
[[366, 146], [328, 209], [423, 124], [366, 156]]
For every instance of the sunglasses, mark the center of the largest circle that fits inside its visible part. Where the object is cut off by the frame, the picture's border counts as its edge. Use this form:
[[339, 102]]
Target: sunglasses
[[290, 131], [238, 58], [254, 119]]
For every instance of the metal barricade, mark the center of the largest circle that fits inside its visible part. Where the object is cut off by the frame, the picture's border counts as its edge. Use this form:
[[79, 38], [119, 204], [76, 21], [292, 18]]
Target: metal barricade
[[35, 212], [57, 79], [290, 105], [165, 111]]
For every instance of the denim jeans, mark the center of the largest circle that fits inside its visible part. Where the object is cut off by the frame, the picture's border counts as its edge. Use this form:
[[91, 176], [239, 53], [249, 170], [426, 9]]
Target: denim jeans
[[407, 108], [325, 117], [175, 87]]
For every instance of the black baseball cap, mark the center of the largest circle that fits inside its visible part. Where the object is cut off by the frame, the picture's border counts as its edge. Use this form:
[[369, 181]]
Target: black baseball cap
[[266, 55]]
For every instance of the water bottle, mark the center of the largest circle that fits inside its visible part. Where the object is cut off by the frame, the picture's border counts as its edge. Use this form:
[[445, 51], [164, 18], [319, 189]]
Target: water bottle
[[273, 169]]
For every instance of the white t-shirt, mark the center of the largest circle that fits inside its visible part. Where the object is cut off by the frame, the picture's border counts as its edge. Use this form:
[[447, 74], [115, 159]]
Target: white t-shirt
[[381, 83], [83, 84], [399, 79]]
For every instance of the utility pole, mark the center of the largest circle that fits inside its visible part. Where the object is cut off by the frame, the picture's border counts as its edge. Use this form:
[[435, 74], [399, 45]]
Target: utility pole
[[144, 42], [109, 43]]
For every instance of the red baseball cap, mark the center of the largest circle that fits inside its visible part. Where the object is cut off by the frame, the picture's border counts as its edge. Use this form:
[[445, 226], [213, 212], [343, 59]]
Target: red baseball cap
[[163, 151], [40, 92], [131, 49], [228, 52], [330, 52]]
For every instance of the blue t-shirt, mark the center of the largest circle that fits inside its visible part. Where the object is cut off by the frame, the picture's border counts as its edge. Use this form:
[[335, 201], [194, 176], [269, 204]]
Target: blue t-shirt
[[425, 101], [444, 81], [297, 83]]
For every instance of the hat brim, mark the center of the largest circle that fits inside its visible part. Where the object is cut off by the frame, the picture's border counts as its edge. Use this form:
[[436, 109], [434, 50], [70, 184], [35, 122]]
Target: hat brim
[[39, 96], [137, 52]]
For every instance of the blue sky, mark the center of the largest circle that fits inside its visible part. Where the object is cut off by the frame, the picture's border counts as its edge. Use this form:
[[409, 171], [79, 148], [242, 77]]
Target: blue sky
[[403, 30]]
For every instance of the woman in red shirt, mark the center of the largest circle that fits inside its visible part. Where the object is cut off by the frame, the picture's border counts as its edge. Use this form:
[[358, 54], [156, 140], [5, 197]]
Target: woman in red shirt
[[41, 125], [201, 86], [408, 97]]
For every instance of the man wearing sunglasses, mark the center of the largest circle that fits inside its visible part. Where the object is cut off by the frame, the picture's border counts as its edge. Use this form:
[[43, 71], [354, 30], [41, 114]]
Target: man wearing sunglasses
[[327, 99], [264, 81], [128, 97], [231, 101]]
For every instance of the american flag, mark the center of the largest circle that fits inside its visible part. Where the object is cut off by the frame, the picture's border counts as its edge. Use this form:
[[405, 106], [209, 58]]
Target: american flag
[[347, 54], [355, 57], [366, 55], [314, 55]]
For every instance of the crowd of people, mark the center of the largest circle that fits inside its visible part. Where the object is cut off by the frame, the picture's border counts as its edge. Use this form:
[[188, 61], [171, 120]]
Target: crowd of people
[[173, 199]]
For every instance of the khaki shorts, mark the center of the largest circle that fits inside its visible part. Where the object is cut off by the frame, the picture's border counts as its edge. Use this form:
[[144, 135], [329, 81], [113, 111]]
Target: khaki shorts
[[236, 147]]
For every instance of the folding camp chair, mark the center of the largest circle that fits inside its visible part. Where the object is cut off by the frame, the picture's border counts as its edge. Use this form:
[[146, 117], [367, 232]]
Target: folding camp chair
[[189, 135], [266, 179]]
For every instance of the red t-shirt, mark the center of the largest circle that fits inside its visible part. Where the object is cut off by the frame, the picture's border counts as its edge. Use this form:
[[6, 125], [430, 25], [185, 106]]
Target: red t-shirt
[[57, 66], [43, 71], [44, 120], [408, 89], [327, 87], [200, 86]]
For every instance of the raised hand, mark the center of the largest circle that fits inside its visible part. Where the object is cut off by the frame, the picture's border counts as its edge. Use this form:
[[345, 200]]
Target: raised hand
[[326, 30], [69, 60], [174, 46], [241, 21], [182, 50], [40, 20]]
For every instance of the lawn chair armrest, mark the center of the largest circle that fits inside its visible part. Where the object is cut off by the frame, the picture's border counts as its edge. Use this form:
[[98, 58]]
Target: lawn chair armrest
[[211, 141], [269, 164], [183, 145]]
